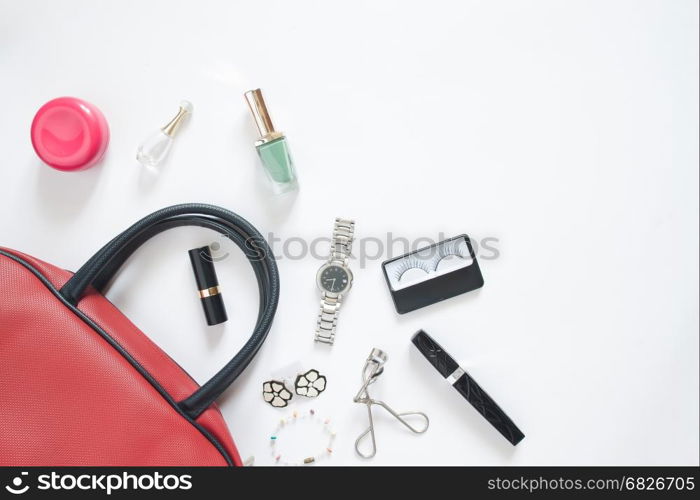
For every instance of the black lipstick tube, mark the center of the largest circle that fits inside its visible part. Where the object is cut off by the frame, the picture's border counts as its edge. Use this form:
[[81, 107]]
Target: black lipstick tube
[[208, 285]]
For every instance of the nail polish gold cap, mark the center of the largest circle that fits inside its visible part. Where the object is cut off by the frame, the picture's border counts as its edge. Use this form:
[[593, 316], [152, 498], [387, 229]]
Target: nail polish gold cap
[[263, 122]]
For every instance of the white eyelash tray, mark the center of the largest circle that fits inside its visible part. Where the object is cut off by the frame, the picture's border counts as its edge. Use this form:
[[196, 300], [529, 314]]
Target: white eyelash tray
[[432, 274]]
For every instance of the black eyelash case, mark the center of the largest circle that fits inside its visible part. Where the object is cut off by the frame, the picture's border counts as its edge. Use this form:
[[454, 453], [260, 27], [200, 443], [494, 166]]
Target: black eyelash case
[[432, 274]]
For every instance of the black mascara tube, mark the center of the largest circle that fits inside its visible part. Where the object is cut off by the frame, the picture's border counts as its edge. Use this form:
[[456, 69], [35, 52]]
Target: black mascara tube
[[467, 386]]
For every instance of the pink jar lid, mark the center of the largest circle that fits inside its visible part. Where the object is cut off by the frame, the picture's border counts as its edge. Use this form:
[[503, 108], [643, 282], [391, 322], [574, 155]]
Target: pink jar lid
[[69, 134]]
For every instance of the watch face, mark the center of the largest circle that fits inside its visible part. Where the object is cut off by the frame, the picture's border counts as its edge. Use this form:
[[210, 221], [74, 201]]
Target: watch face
[[334, 279]]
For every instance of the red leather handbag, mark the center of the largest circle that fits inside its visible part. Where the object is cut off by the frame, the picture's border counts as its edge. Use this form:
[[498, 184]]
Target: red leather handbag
[[81, 385]]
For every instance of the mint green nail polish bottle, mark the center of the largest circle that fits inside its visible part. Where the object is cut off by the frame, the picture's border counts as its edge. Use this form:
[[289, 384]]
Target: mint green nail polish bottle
[[272, 146]]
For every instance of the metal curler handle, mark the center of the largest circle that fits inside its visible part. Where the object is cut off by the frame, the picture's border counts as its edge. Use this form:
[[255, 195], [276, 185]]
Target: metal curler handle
[[374, 366]]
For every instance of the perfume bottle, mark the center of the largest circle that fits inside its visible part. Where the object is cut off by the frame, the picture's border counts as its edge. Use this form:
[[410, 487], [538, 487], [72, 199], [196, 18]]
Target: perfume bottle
[[157, 146], [272, 146]]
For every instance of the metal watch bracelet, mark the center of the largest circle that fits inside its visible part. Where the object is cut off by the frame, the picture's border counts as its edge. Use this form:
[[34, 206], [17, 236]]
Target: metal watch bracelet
[[341, 247]]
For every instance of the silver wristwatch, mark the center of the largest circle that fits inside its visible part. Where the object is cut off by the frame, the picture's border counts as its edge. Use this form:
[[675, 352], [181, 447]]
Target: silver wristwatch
[[334, 279]]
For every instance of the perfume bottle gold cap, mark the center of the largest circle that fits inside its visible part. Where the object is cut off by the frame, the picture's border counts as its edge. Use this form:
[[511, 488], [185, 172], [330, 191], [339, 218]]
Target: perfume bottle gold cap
[[173, 125], [263, 122]]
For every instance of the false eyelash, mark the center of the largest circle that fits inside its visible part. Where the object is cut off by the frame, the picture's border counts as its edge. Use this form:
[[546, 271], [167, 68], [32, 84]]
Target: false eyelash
[[448, 249], [407, 265]]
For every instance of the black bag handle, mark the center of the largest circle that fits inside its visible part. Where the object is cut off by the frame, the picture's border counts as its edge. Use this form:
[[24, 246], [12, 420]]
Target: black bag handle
[[101, 268]]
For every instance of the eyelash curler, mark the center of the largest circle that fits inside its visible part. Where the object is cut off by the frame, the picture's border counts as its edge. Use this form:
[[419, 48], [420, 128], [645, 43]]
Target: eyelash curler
[[374, 367]]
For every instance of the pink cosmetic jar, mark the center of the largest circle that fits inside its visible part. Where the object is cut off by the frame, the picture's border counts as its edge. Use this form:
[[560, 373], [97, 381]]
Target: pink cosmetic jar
[[69, 134]]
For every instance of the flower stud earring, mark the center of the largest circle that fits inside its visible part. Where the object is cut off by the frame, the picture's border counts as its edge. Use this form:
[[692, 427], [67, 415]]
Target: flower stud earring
[[276, 394], [310, 384]]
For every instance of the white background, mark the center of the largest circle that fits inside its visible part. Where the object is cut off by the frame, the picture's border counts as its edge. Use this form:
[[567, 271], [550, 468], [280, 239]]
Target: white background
[[566, 130]]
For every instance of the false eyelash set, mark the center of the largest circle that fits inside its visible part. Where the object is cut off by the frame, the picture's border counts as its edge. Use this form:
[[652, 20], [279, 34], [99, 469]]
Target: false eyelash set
[[427, 266], [448, 248], [432, 274]]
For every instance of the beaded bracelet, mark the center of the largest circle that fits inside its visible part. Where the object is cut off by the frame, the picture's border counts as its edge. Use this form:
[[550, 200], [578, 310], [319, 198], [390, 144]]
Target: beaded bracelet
[[294, 417]]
